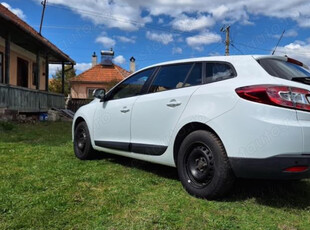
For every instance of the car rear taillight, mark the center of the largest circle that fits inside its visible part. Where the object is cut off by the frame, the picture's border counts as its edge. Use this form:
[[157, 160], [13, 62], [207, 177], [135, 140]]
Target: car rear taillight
[[296, 169], [282, 96]]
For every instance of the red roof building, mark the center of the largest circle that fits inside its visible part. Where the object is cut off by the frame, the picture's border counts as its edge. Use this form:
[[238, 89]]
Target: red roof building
[[99, 76]]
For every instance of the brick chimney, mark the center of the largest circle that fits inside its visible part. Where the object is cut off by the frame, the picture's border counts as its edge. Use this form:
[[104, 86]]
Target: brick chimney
[[132, 64], [94, 59]]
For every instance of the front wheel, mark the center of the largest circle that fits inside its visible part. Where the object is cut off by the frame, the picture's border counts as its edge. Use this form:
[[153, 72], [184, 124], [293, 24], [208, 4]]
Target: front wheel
[[82, 144], [203, 165]]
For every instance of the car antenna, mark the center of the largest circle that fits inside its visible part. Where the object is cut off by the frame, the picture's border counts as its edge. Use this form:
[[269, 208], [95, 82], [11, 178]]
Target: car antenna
[[278, 42]]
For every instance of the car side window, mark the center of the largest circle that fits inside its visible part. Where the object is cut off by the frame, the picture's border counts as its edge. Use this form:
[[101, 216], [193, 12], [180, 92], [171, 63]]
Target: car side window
[[170, 77], [195, 76], [132, 86], [218, 72]]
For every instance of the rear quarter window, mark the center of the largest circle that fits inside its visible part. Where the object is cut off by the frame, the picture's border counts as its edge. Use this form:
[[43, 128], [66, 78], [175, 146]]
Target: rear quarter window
[[219, 71]]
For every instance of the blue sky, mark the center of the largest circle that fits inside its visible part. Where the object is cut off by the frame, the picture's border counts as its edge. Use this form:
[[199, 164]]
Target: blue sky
[[160, 30]]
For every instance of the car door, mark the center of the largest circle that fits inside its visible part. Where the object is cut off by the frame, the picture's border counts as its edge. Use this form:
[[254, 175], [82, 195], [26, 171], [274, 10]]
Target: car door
[[156, 113], [112, 117]]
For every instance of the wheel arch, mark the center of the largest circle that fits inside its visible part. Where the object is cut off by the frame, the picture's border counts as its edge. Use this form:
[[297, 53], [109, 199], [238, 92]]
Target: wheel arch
[[185, 131], [78, 121]]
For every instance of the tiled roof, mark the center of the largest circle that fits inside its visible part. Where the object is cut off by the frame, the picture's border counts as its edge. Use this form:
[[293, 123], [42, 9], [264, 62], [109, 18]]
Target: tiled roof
[[100, 73], [23, 26]]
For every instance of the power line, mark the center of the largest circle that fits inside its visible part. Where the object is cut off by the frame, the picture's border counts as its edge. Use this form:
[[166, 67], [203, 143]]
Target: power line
[[236, 48]]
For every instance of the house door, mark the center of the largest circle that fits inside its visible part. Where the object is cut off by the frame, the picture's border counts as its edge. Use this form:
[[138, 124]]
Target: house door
[[22, 72]]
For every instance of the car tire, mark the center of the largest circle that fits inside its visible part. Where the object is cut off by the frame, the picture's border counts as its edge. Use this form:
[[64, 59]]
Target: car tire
[[82, 144], [203, 166]]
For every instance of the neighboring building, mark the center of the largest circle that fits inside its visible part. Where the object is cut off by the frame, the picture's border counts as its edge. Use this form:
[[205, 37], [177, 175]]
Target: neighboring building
[[104, 75], [25, 56]]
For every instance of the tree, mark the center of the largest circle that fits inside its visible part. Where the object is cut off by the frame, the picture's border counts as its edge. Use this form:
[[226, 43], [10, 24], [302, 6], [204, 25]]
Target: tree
[[55, 84]]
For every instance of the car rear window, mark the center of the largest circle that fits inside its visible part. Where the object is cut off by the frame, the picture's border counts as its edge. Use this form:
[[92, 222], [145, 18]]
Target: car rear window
[[284, 69]]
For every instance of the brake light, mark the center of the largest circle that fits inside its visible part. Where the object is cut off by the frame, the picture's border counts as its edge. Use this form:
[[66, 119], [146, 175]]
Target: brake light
[[296, 169], [293, 61], [282, 96]]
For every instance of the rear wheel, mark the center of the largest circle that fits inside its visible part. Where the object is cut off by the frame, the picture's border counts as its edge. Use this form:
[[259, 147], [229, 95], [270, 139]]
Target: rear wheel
[[203, 165], [82, 144]]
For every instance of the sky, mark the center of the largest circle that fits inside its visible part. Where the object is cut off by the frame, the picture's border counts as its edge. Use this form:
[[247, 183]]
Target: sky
[[154, 31]]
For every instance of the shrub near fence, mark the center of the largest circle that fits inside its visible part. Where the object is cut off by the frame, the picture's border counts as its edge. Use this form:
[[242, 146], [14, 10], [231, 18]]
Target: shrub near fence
[[75, 104]]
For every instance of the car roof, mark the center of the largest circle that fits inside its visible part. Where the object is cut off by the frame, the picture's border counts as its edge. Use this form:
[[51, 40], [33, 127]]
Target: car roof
[[231, 58]]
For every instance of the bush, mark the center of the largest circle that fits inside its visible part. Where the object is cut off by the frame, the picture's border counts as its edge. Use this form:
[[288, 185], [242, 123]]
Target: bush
[[6, 126]]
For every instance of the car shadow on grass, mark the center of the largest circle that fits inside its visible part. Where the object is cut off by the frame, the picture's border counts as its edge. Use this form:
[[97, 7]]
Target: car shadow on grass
[[274, 193], [278, 194], [160, 170]]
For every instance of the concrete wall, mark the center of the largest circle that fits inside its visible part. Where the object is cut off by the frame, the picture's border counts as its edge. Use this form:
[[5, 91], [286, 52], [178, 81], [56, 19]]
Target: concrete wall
[[19, 52]]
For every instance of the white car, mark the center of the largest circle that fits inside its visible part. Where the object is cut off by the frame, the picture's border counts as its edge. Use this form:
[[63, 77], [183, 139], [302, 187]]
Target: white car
[[214, 118]]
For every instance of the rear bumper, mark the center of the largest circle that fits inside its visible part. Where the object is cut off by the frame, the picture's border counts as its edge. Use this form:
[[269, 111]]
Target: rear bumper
[[271, 167]]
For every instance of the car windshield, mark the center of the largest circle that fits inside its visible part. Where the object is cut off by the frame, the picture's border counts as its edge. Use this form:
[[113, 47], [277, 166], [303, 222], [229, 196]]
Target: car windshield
[[284, 69]]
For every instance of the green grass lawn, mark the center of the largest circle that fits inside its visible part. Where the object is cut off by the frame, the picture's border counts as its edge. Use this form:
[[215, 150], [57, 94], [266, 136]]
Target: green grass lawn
[[43, 186]]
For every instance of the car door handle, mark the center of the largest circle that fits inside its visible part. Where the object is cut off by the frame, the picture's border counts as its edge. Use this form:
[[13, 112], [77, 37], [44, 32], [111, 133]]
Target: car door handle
[[173, 103], [125, 110]]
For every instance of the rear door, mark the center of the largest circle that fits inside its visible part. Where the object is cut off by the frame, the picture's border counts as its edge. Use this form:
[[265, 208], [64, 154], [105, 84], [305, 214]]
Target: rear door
[[156, 113]]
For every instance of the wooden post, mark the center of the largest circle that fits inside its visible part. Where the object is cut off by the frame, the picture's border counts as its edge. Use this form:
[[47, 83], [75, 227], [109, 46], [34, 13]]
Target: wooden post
[[7, 58], [38, 71], [227, 42], [46, 73], [63, 78]]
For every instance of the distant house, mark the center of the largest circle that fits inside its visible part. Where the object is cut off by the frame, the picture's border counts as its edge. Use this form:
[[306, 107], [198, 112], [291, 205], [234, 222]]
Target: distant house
[[104, 75], [25, 56]]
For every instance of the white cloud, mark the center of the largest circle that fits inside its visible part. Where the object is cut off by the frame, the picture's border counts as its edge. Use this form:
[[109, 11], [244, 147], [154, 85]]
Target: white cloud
[[164, 38], [106, 41], [185, 23], [214, 54], [287, 34], [53, 68], [126, 39], [298, 50], [130, 14], [119, 60], [198, 41], [220, 11], [81, 67], [177, 50], [15, 11]]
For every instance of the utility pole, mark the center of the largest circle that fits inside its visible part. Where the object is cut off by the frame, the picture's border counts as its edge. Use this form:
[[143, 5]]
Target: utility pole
[[42, 17], [226, 29]]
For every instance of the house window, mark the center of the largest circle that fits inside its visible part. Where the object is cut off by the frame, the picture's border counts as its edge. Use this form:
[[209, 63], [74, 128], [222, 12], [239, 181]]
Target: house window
[[1, 67], [90, 93], [22, 72]]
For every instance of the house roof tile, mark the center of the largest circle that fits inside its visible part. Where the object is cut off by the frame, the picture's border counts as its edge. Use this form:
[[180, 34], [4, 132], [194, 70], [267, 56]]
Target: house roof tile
[[100, 73]]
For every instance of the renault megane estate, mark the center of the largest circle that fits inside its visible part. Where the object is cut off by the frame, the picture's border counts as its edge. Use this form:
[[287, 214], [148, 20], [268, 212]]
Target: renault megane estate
[[213, 118]]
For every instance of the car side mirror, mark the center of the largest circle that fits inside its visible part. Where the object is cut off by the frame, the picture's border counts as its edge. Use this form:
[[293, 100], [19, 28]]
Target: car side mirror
[[99, 93]]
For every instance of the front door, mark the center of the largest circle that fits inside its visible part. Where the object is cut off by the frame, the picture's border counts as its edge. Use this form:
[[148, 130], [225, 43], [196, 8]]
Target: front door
[[156, 114], [112, 119], [22, 72]]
